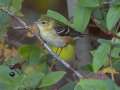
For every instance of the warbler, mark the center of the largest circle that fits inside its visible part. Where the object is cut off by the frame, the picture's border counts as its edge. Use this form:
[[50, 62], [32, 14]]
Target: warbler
[[55, 34]]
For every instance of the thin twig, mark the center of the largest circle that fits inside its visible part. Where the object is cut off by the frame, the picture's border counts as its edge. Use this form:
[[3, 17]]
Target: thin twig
[[110, 52], [57, 58], [110, 60], [105, 30]]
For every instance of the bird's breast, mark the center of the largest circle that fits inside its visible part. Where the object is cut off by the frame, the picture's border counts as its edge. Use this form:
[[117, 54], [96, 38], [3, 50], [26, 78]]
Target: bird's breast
[[53, 39]]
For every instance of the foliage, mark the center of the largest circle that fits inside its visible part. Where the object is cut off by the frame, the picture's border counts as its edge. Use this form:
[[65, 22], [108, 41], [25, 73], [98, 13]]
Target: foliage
[[100, 57], [113, 16], [84, 84], [67, 53], [30, 62]]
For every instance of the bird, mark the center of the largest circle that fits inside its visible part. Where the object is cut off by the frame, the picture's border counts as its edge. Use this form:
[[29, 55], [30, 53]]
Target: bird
[[54, 33]]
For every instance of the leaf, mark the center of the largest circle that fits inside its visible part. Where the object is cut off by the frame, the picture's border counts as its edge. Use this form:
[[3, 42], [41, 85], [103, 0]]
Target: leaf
[[113, 16], [116, 65], [67, 53], [68, 86], [52, 78], [109, 70], [5, 2], [8, 82], [88, 84], [4, 19], [116, 41], [100, 56], [89, 3], [100, 16], [115, 52], [32, 78], [104, 41], [115, 2], [16, 5], [57, 16], [81, 18], [4, 74], [23, 80], [3, 29], [31, 53], [117, 88]]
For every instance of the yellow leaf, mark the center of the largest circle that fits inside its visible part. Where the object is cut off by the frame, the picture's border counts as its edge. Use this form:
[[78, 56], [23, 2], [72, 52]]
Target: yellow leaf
[[67, 53], [109, 70]]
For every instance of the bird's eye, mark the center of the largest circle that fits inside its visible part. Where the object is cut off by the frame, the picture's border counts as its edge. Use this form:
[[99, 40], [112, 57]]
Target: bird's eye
[[43, 22]]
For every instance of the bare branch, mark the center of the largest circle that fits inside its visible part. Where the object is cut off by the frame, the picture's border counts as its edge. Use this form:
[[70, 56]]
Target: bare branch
[[57, 58]]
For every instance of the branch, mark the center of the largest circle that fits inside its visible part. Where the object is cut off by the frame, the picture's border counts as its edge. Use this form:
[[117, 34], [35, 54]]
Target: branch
[[44, 43], [24, 25], [98, 24], [56, 57]]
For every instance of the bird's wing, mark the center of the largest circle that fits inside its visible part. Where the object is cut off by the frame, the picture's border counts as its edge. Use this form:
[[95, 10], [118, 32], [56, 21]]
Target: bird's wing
[[61, 30], [67, 31]]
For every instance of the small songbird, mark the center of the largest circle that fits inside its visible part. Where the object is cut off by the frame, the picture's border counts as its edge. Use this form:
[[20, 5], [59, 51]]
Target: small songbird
[[53, 33]]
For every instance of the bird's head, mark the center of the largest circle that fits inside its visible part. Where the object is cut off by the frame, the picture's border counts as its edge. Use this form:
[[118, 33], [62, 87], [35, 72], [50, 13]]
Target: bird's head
[[46, 23]]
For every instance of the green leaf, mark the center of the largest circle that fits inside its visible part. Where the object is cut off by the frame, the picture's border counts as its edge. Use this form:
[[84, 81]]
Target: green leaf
[[32, 79], [117, 88], [100, 56], [116, 65], [113, 16], [4, 74], [4, 23], [16, 5], [115, 2], [115, 52], [5, 3], [68, 86], [86, 84], [8, 82], [89, 3], [31, 53], [116, 41], [100, 16], [4, 19], [81, 18], [25, 51], [104, 41], [57, 16], [52, 78], [3, 30]]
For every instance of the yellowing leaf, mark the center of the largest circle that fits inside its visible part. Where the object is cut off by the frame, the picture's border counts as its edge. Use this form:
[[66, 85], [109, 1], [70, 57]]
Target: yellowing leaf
[[67, 53], [109, 70]]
